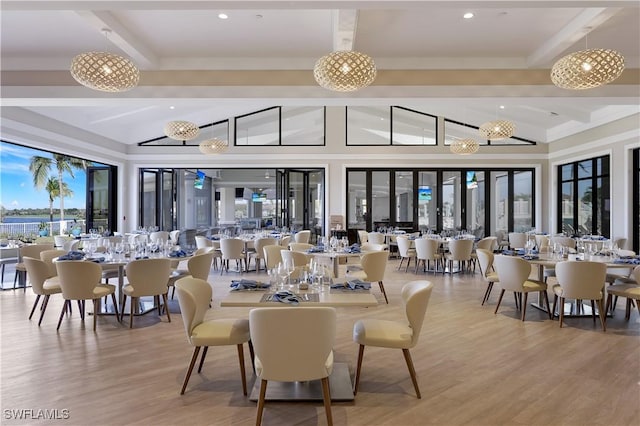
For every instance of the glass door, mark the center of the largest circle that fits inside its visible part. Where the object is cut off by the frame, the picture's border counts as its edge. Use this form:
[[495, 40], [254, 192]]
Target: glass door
[[300, 199], [101, 200], [451, 206], [427, 201], [475, 203]]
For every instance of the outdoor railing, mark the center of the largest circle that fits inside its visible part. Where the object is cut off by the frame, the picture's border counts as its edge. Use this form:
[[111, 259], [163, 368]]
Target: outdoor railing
[[9, 230]]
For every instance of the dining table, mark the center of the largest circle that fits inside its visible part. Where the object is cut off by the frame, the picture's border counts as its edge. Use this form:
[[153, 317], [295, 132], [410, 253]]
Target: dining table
[[341, 387], [334, 257]]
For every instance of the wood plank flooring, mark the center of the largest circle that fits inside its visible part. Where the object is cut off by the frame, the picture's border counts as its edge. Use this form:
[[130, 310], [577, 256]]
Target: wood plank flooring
[[473, 367]]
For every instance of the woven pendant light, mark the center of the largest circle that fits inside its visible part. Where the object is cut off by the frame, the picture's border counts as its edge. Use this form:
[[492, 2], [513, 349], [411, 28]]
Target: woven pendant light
[[587, 69], [464, 146], [345, 71], [181, 130], [213, 146], [497, 129]]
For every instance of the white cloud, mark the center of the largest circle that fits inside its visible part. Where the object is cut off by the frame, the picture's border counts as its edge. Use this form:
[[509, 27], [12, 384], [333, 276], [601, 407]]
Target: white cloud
[[21, 184], [15, 203]]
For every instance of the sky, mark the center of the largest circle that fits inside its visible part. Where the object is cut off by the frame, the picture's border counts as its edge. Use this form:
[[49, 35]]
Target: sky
[[16, 181]]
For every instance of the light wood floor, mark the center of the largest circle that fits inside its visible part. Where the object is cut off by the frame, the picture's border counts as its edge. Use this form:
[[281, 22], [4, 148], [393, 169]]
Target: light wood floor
[[473, 367]]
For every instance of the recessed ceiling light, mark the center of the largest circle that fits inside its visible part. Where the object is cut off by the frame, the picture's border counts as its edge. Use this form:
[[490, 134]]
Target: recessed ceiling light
[[223, 15], [501, 106], [172, 107], [468, 15]]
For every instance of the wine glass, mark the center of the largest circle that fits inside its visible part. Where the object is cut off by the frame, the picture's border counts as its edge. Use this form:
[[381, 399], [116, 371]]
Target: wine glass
[[282, 275]]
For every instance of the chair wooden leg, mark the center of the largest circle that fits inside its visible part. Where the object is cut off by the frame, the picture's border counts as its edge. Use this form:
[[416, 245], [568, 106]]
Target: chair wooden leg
[[156, 300], [196, 350], [253, 355], [124, 303], [263, 392], [204, 355], [96, 302], [638, 306], [383, 292], [64, 309], [603, 314], [487, 292], [358, 368], [115, 306], [412, 371], [34, 305], [546, 301], [81, 308], [166, 306], [607, 307], [499, 301], [326, 397], [43, 308], [555, 304], [242, 370], [561, 312], [524, 305], [593, 310], [131, 310]]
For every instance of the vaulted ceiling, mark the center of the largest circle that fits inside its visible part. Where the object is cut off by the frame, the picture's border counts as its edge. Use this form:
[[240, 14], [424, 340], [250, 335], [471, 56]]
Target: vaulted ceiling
[[197, 66]]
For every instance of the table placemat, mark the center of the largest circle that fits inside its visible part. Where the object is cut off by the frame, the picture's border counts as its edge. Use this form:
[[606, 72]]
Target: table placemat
[[304, 298]]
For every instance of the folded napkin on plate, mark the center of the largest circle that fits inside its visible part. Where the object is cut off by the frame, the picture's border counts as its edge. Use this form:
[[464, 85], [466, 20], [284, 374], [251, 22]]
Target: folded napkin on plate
[[316, 249], [247, 285], [178, 253], [513, 252], [72, 255], [530, 257], [353, 285], [141, 257], [96, 259], [286, 297], [353, 248], [631, 261]]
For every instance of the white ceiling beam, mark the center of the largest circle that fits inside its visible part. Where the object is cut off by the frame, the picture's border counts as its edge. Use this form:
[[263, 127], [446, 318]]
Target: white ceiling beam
[[345, 23], [142, 55], [563, 111], [581, 25]]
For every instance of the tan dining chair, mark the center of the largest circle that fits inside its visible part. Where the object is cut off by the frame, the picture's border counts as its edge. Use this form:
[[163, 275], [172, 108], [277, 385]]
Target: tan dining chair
[[363, 236], [258, 254], [485, 259], [374, 265], [365, 247], [194, 296], [299, 260], [232, 249], [29, 250], [8, 256], [38, 273], [146, 277], [198, 266], [272, 256], [518, 240], [285, 241], [460, 252], [301, 247], [376, 238], [47, 257], [513, 275], [428, 250], [159, 236], [80, 281], [396, 334], [71, 245], [487, 243], [309, 355], [628, 288], [405, 252], [174, 236], [302, 236], [580, 280]]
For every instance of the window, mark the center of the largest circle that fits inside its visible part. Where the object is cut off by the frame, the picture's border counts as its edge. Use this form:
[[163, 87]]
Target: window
[[303, 126], [583, 197]]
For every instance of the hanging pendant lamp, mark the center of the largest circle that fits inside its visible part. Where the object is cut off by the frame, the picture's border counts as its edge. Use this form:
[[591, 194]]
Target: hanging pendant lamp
[[213, 146], [181, 130], [345, 71], [464, 146]]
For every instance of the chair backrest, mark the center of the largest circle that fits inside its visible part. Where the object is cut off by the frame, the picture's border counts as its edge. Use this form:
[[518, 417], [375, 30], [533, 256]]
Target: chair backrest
[[580, 279], [194, 296], [9, 255], [138, 238], [415, 296], [202, 241], [78, 278], [38, 272], [71, 245], [34, 250], [427, 248], [47, 257], [564, 241], [636, 274], [542, 242], [620, 242], [371, 247], [174, 235], [232, 248], [199, 265], [363, 236], [404, 244], [293, 343], [375, 237], [460, 249], [500, 236], [296, 257], [517, 240], [302, 236], [202, 250], [302, 247], [149, 276], [272, 255], [485, 258], [487, 243], [59, 240], [512, 272], [156, 236], [374, 264], [260, 243], [284, 241]]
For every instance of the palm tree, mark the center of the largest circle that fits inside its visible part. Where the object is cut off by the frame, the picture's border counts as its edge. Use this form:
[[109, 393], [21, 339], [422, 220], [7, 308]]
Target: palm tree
[[53, 188], [41, 169]]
